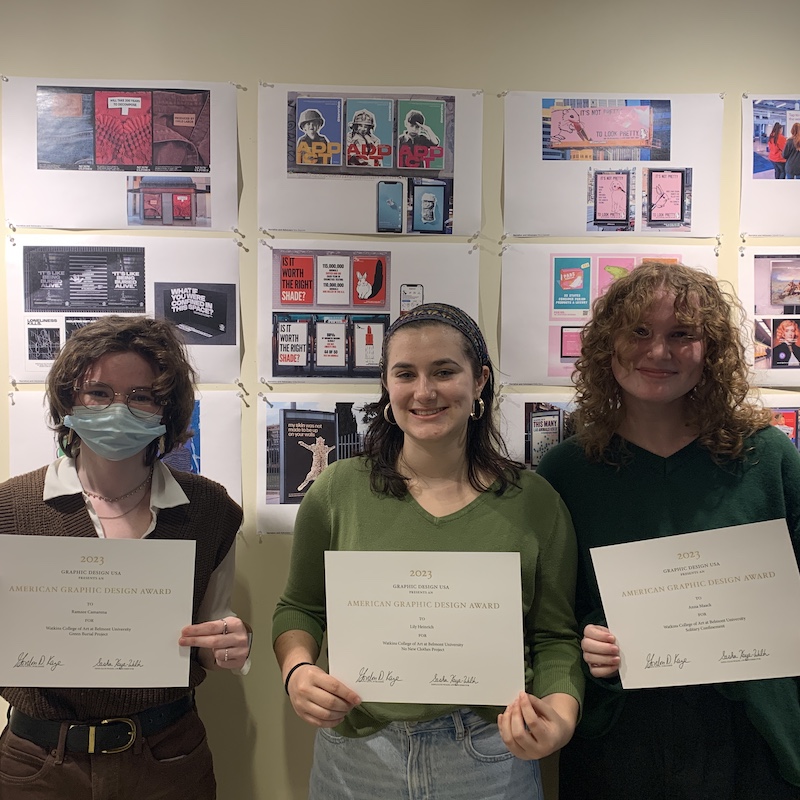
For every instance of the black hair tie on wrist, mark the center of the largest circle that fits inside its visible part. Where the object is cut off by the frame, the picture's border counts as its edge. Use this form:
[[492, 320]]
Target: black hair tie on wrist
[[291, 672]]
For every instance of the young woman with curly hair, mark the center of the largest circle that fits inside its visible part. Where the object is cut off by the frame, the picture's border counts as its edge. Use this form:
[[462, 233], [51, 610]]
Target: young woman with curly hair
[[669, 441]]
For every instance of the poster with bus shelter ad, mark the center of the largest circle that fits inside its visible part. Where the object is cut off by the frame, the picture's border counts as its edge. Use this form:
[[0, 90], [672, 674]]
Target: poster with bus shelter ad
[[57, 284], [299, 436], [611, 164], [356, 159], [99, 153], [324, 306], [546, 298]]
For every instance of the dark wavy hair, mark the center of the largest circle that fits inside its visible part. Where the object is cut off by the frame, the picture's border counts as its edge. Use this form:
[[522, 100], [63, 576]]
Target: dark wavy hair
[[719, 406], [157, 342], [486, 453]]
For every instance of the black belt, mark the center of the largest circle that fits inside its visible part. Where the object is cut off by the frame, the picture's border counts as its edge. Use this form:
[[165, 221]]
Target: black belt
[[111, 735]]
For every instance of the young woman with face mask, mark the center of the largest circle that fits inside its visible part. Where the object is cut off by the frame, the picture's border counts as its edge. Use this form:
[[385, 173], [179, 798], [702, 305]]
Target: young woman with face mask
[[121, 395]]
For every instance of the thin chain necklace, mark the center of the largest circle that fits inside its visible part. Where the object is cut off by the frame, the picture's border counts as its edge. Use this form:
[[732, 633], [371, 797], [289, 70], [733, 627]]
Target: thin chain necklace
[[122, 496], [125, 513]]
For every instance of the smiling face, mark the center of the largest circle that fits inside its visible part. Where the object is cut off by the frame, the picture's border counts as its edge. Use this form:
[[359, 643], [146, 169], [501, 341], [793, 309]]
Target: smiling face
[[431, 384], [662, 360]]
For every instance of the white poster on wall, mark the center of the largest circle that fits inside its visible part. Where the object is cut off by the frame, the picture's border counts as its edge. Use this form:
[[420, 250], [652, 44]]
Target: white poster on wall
[[769, 287], [607, 163], [299, 436], [56, 284], [359, 159], [770, 195], [214, 449], [547, 294], [99, 153], [324, 306]]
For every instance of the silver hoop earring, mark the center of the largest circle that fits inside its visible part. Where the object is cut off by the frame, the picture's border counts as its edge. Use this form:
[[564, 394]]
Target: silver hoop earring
[[481, 409], [386, 409]]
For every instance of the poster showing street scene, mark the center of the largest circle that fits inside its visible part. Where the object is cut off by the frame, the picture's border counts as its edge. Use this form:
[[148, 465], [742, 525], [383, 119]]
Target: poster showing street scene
[[98, 153], [769, 288], [533, 423], [770, 164], [300, 436], [355, 159], [610, 163], [546, 298], [324, 307], [57, 284], [213, 450]]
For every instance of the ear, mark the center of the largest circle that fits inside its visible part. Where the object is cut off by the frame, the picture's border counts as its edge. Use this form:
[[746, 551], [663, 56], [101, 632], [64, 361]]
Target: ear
[[480, 381]]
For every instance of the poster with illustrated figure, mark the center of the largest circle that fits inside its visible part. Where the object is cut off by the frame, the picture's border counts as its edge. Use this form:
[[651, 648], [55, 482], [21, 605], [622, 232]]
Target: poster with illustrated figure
[[213, 450], [769, 288], [533, 423], [546, 298], [367, 160], [610, 163], [97, 153], [370, 132], [57, 284], [299, 436], [318, 138], [324, 306], [770, 164]]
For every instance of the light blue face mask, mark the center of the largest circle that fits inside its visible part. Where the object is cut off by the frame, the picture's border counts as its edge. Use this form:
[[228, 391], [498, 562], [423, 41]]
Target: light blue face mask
[[114, 433]]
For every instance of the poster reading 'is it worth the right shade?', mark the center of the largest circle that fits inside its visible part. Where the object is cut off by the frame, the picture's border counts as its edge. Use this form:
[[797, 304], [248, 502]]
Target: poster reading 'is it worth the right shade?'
[[325, 306]]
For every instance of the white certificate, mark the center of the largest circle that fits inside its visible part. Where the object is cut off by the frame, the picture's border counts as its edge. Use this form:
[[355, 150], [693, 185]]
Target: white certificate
[[426, 627], [704, 607], [94, 612]]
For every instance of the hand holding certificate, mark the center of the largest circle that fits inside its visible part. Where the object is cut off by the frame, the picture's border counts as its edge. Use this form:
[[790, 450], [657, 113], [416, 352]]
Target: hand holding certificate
[[94, 612], [702, 607]]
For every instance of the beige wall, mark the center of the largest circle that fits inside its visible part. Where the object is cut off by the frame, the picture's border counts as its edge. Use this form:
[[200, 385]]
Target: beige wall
[[261, 750]]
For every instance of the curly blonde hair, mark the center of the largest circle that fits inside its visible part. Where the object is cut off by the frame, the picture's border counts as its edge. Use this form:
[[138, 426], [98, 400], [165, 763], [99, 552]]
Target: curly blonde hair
[[719, 406]]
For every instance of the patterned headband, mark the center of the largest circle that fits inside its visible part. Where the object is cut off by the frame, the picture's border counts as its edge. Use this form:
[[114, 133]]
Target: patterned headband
[[446, 315]]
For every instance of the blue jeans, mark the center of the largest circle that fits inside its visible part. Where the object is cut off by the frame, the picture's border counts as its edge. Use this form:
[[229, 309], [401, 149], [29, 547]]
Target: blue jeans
[[455, 757], [64, 141]]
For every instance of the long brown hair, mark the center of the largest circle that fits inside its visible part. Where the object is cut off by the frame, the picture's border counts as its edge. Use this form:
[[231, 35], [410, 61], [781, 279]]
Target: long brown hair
[[796, 134], [486, 454], [719, 406], [776, 132]]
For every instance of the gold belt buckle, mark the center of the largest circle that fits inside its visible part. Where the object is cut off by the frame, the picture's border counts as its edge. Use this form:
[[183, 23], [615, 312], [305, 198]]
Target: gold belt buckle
[[132, 734]]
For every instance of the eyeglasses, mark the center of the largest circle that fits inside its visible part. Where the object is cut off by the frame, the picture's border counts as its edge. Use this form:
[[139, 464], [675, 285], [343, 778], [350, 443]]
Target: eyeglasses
[[98, 396]]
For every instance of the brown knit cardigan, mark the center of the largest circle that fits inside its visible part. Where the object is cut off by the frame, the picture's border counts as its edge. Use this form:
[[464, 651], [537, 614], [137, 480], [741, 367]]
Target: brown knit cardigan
[[211, 519]]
